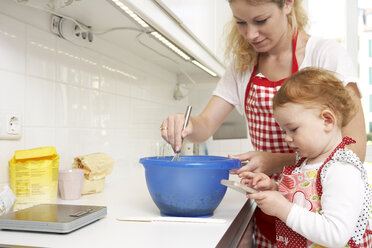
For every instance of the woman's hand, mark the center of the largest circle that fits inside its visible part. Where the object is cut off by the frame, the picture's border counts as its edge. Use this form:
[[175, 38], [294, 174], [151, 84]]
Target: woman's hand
[[258, 181], [199, 128], [171, 130], [272, 203], [265, 162]]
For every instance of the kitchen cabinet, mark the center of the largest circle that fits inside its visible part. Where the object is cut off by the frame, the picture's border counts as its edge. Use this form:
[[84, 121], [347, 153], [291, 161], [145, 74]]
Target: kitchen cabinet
[[205, 19], [162, 19], [126, 195]]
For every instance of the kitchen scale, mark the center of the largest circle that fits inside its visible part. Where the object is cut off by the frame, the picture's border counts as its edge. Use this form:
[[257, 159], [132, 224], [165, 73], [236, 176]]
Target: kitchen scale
[[52, 218]]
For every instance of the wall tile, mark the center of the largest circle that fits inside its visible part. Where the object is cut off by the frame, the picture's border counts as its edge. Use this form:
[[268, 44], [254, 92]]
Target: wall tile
[[122, 145], [12, 93], [122, 116], [39, 102], [109, 76], [90, 109], [68, 107], [107, 107], [12, 44], [94, 140], [68, 144], [90, 69], [124, 86], [41, 53], [38, 137], [67, 62]]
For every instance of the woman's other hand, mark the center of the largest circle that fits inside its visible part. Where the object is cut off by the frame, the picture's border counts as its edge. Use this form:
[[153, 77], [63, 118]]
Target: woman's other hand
[[265, 162], [171, 130]]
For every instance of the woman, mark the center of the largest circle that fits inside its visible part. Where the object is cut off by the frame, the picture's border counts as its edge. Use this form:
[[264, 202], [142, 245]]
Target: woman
[[267, 44]]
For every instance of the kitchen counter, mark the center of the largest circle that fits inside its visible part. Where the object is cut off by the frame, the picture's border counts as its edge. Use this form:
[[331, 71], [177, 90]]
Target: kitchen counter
[[126, 195]]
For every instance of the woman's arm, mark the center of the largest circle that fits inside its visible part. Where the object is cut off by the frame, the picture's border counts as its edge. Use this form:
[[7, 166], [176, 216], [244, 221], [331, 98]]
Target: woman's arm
[[206, 124], [265, 162], [200, 127], [356, 128]]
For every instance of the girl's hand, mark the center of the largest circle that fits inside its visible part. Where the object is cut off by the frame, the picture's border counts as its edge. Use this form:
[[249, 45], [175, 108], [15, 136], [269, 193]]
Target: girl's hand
[[258, 181], [272, 203], [171, 130]]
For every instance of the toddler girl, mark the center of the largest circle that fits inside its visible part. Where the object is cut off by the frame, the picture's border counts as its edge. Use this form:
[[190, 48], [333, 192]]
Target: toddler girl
[[324, 199]]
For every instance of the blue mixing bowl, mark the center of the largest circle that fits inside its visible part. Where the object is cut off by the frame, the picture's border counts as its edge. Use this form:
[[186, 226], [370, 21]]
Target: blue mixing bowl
[[190, 187]]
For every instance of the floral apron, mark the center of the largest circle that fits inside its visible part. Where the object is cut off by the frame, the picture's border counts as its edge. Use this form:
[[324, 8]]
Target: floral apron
[[266, 135], [305, 190]]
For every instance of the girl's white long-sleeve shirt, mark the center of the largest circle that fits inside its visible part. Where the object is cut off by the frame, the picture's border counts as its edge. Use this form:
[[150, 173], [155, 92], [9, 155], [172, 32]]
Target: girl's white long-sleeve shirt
[[343, 195]]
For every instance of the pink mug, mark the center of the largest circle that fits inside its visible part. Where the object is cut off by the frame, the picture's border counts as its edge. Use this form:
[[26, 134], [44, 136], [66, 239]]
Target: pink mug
[[70, 183]]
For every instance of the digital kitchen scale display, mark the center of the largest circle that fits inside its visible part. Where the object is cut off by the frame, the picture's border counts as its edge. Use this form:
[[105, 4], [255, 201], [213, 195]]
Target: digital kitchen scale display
[[53, 218]]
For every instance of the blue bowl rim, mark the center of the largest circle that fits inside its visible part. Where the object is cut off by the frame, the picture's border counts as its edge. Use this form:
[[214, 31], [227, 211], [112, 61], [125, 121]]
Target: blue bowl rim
[[200, 162]]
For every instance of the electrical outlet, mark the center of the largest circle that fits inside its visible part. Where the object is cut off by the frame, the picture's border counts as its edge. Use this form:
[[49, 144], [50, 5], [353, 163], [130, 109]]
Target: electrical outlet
[[55, 24], [10, 125], [69, 30]]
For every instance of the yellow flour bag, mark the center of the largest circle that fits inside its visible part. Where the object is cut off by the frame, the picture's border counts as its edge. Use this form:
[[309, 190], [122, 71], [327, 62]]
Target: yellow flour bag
[[34, 176]]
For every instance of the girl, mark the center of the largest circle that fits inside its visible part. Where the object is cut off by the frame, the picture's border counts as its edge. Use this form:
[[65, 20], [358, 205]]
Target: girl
[[325, 198]]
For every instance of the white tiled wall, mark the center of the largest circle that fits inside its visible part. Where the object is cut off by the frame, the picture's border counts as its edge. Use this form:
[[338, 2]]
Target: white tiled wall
[[70, 97], [80, 100]]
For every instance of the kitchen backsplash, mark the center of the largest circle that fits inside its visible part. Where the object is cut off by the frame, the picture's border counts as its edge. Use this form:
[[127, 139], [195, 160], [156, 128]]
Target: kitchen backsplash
[[85, 100]]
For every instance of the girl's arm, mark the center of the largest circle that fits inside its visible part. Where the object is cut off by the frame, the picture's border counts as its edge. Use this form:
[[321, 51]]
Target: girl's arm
[[272, 203]]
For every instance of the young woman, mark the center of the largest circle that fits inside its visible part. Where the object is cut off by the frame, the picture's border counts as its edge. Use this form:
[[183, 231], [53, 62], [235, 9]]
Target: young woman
[[325, 197], [267, 44]]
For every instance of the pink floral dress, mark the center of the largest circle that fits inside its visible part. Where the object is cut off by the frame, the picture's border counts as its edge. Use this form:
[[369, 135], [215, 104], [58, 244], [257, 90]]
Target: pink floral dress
[[305, 189]]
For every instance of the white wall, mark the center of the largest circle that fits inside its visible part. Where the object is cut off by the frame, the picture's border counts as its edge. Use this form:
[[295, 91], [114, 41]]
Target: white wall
[[70, 97], [67, 99]]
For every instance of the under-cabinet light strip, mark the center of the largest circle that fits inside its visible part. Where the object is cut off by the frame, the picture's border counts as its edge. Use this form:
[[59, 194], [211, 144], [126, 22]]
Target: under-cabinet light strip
[[195, 62], [161, 38], [131, 14], [170, 45]]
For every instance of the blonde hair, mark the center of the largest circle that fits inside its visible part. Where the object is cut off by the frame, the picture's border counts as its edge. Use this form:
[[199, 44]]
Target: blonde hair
[[238, 47], [317, 88]]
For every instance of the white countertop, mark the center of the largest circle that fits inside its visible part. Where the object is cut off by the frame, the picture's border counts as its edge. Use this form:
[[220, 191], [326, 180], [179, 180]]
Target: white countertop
[[126, 195]]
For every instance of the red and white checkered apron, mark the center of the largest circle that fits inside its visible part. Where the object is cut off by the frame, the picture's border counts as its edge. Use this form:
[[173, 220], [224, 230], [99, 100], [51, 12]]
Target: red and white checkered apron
[[301, 188], [266, 135]]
